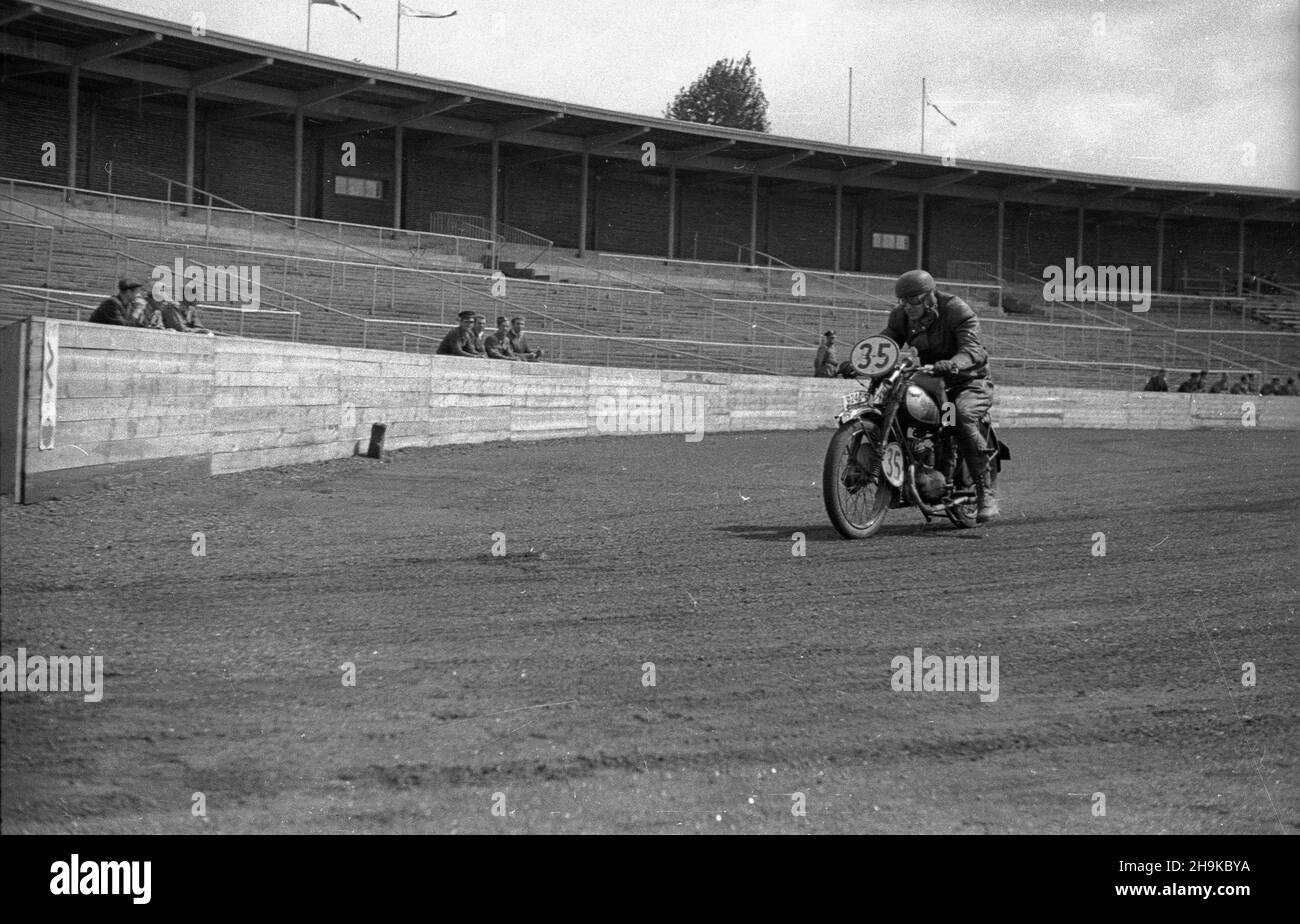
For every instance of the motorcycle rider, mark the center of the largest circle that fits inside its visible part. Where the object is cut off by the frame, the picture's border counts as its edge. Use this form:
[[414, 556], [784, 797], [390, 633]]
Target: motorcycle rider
[[946, 334]]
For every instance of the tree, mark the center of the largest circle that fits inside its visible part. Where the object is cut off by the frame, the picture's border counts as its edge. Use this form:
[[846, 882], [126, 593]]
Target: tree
[[728, 93]]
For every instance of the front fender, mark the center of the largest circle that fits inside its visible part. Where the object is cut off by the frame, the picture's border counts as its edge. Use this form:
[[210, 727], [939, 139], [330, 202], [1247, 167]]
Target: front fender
[[859, 414]]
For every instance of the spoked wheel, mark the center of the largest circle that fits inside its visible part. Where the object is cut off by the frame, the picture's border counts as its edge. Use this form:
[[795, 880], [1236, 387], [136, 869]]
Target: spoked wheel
[[856, 504]]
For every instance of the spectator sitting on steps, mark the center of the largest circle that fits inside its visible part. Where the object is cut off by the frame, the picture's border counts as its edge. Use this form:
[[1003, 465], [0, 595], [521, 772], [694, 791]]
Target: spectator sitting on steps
[[148, 311], [456, 340], [519, 343], [1290, 388], [1220, 386], [497, 343], [1157, 382], [1191, 385], [1273, 388], [1241, 388], [183, 318], [117, 309], [476, 334]]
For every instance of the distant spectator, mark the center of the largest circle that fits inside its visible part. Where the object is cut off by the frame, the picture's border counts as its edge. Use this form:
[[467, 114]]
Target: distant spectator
[[497, 344], [456, 342], [1240, 388], [148, 311], [1191, 385], [825, 365], [476, 334], [117, 309], [183, 317], [1252, 388], [1270, 283], [1157, 382], [1273, 388], [519, 343], [1290, 388], [1203, 382], [1221, 385]]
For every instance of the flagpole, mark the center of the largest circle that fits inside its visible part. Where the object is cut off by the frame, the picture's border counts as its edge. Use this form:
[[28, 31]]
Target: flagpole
[[309, 5], [850, 141], [398, 65], [922, 115]]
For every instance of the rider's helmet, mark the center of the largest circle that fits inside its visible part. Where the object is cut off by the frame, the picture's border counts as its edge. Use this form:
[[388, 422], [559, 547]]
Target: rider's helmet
[[913, 283]]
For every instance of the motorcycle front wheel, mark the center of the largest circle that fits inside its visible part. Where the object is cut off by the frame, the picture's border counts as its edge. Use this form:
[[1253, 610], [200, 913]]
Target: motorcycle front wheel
[[855, 505]]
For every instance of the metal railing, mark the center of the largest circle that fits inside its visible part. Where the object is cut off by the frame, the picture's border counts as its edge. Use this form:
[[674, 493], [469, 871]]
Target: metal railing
[[648, 311], [231, 223], [230, 321], [523, 248]]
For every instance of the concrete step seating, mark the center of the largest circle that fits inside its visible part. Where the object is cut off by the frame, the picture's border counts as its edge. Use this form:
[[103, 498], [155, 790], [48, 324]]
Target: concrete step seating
[[739, 312]]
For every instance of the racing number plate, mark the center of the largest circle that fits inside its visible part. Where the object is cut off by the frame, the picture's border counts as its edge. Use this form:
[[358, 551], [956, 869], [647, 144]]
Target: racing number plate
[[891, 464], [856, 399], [874, 356]]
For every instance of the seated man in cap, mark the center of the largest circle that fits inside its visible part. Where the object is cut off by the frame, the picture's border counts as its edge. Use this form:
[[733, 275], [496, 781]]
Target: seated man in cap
[[497, 343], [457, 340], [119, 309]]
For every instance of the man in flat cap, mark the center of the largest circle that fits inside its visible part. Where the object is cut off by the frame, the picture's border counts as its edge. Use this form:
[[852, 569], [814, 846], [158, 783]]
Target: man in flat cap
[[119, 309], [457, 340], [824, 366]]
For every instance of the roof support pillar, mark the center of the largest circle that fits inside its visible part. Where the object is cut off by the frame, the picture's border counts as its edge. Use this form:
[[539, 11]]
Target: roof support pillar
[[1002, 218], [672, 212], [1160, 252], [584, 192], [920, 230], [1241, 256], [191, 106], [839, 225], [398, 140], [494, 197], [297, 164], [74, 78]]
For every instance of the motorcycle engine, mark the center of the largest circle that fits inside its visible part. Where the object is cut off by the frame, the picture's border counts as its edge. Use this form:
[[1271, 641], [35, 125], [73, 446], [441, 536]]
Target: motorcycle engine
[[922, 450], [930, 484]]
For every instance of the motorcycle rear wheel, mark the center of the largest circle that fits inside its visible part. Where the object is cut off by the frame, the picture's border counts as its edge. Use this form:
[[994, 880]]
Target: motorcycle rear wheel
[[854, 514]]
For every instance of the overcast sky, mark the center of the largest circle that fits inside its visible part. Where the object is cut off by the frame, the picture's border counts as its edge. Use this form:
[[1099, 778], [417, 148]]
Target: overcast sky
[[1193, 90]]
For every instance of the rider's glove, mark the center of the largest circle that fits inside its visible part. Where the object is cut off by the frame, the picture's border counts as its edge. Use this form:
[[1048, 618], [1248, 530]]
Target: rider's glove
[[945, 367]]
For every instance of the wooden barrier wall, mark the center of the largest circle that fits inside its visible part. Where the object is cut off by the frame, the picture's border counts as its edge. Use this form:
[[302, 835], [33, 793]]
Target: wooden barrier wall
[[129, 404]]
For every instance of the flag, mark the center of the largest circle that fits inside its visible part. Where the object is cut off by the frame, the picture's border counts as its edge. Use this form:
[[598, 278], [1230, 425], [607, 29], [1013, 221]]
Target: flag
[[405, 10], [941, 112], [339, 4]]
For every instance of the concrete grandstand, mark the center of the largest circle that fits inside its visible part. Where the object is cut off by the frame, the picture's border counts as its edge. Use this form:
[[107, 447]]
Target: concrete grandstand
[[625, 240]]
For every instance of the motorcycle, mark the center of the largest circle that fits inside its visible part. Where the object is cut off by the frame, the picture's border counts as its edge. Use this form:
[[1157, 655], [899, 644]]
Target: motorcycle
[[896, 445]]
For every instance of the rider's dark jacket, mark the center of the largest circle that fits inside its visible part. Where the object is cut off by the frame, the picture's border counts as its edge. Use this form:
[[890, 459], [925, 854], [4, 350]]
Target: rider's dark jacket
[[950, 330]]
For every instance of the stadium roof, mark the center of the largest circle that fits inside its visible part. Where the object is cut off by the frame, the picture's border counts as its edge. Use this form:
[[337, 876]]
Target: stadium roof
[[129, 57]]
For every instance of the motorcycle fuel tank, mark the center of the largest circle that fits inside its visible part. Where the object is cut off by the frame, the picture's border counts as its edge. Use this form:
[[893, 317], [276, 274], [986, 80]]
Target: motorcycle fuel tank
[[921, 406]]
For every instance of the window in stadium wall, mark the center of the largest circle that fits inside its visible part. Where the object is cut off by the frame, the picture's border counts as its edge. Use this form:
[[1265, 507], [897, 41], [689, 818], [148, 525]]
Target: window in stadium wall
[[356, 186], [891, 241]]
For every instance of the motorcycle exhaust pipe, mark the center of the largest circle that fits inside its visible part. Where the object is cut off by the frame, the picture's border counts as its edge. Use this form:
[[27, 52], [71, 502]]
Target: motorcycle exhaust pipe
[[928, 509]]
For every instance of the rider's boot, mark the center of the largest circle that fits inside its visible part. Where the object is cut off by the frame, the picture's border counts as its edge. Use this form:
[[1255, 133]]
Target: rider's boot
[[986, 498]]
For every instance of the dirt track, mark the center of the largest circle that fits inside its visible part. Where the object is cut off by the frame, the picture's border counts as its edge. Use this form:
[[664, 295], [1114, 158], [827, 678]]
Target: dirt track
[[522, 674]]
